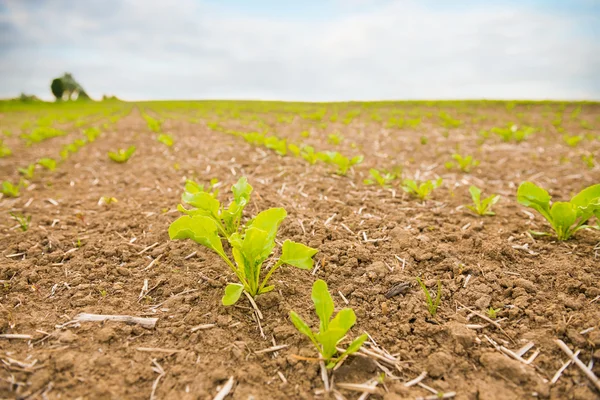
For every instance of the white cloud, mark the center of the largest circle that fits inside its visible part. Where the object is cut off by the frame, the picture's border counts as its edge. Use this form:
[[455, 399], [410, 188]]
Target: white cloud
[[398, 49]]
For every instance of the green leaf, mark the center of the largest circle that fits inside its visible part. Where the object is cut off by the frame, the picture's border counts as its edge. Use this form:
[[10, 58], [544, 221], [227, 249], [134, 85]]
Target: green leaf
[[267, 289], [241, 191], [475, 195], [203, 201], [563, 216], [531, 195], [323, 303], [587, 201], [233, 291], [301, 325], [255, 244], [297, 255], [268, 221], [343, 321], [329, 340], [355, 345], [200, 229]]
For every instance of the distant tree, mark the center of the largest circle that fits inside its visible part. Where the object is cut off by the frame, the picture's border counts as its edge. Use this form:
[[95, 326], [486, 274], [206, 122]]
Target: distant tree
[[69, 88], [57, 88], [28, 98]]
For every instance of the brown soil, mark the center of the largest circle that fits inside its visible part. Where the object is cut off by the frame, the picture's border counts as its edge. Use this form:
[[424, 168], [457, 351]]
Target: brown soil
[[81, 257]]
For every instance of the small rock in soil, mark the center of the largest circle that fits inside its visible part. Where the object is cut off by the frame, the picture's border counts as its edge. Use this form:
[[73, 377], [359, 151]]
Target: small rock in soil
[[576, 338], [106, 334], [514, 371], [67, 337], [439, 363], [461, 335]]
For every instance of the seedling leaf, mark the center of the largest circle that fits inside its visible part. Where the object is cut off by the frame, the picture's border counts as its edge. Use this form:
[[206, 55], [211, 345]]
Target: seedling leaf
[[233, 291]]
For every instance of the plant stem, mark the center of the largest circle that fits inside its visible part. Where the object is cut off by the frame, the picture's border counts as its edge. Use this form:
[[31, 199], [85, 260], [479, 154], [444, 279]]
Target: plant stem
[[273, 268]]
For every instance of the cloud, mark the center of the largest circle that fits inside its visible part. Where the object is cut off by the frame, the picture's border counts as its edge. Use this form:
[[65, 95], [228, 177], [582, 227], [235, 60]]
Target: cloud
[[362, 50]]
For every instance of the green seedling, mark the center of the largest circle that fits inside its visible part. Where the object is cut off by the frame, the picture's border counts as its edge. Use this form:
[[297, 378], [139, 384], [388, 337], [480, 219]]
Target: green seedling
[[572, 141], [91, 134], [72, 148], [40, 134], [22, 220], [249, 249], [305, 134], [255, 138], [48, 163], [482, 207], [343, 163], [588, 160], [153, 124], [165, 139], [432, 305], [294, 149], [421, 190], [121, 156], [381, 178], [565, 218], [448, 121], [206, 204], [424, 140], [513, 132], [335, 138], [465, 164], [308, 153], [4, 150], [27, 172], [331, 331], [493, 312], [10, 190], [279, 145], [585, 124]]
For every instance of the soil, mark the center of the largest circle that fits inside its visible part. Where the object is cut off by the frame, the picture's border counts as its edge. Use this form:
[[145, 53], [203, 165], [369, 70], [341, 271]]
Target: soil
[[82, 257]]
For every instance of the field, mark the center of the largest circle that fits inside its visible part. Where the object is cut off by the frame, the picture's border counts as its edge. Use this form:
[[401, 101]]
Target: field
[[98, 242]]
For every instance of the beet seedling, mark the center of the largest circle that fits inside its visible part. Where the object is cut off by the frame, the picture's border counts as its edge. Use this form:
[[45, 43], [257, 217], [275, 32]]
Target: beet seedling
[[48, 163], [206, 204], [294, 149], [335, 138], [308, 153], [588, 160], [165, 139], [572, 141], [91, 134], [482, 207], [432, 305], [27, 172], [382, 178], [153, 124], [421, 190], [565, 218], [331, 331], [4, 150], [342, 162], [121, 156], [250, 249], [276, 144], [513, 133], [465, 164], [10, 190]]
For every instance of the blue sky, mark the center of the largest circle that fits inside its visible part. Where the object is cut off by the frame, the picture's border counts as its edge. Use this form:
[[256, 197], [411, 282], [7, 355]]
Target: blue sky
[[306, 50]]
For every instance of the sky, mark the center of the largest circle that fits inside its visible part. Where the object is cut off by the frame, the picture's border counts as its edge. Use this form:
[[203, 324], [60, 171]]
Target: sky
[[309, 50]]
